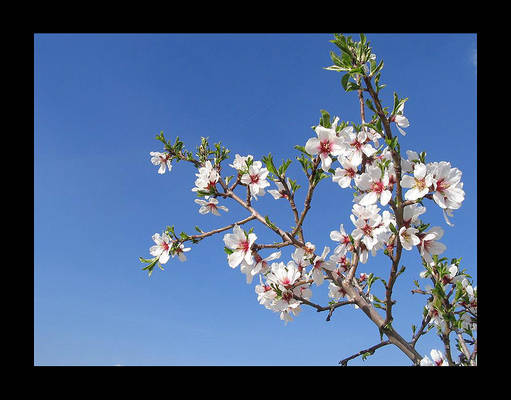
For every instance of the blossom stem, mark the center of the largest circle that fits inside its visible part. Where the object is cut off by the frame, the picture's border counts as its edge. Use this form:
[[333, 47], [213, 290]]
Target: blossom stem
[[370, 350]]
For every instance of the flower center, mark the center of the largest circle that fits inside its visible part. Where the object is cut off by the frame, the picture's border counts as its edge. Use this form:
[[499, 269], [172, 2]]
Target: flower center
[[325, 147], [254, 178], [377, 187], [441, 185], [165, 246], [367, 230], [244, 246], [356, 144], [420, 184], [287, 296]]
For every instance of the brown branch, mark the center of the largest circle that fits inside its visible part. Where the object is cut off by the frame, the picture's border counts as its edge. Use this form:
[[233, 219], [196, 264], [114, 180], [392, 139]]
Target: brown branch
[[370, 350], [420, 332], [308, 197], [206, 234]]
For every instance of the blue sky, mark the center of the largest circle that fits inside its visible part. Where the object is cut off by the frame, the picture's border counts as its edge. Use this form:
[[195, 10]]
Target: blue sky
[[100, 99]]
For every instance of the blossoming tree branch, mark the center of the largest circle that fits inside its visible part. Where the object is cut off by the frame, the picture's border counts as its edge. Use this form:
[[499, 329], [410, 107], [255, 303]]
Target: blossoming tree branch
[[392, 191]]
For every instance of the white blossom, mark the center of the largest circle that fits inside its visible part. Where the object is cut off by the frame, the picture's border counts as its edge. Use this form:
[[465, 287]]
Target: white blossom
[[161, 159]]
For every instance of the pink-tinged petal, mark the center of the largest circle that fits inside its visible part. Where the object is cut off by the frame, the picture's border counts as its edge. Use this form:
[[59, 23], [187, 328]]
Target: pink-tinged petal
[[419, 172], [368, 199], [402, 121], [203, 210], [440, 200], [336, 236], [231, 241], [357, 234], [401, 130], [412, 194], [356, 158], [164, 257], [235, 258], [248, 258], [275, 193], [155, 250], [385, 197], [325, 163], [323, 133], [368, 150], [312, 146], [245, 179], [407, 181], [214, 211], [251, 238]]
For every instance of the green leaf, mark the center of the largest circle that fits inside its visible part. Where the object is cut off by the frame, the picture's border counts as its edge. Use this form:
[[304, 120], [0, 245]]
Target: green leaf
[[325, 119], [377, 69], [344, 81]]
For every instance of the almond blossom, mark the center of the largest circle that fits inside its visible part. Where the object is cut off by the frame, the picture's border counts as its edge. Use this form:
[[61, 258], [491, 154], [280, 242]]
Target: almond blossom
[[411, 213], [299, 259], [356, 145], [408, 237], [419, 184], [161, 159], [429, 245], [180, 250], [265, 293], [335, 292], [343, 176], [240, 162], [162, 247], [400, 120], [210, 205], [255, 179], [206, 178], [261, 264], [447, 189], [375, 187], [438, 359], [327, 143], [367, 229], [343, 238], [282, 275], [281, 193], [319, 264], [240, 243]]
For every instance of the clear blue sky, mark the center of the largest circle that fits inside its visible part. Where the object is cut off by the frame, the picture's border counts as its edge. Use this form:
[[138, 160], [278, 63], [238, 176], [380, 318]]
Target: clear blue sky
[[100, 99]]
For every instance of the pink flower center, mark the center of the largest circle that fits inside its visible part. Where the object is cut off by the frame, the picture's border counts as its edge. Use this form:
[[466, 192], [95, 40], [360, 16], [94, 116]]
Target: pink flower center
[[254, 178], [441, 185], [165, 246], [356, 144], [244, 245], [325, 147], [439, 362], [367, 230], [377, 187], [285, 281], [287, 296], [350, 172], [345, 240]]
